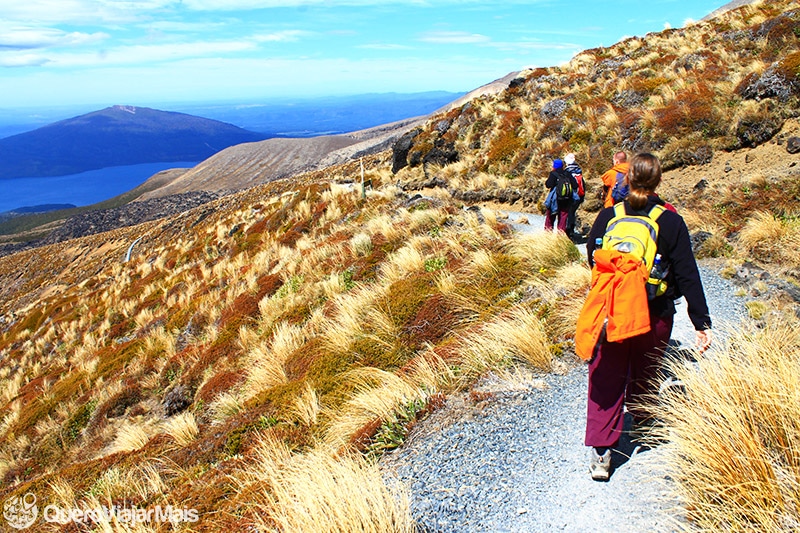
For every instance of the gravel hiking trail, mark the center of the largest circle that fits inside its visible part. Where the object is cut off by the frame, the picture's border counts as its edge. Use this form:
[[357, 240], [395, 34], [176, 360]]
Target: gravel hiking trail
[[513, 459]]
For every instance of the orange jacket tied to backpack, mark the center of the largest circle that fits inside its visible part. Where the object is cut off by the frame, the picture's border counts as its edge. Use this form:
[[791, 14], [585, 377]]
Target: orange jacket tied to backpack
[[617, 294]]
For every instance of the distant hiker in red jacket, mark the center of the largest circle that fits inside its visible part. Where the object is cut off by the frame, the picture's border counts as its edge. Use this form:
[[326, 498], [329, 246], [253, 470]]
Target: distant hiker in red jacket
[[625, 372]]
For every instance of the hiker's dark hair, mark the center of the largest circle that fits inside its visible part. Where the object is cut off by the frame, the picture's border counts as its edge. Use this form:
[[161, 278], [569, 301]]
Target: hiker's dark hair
[[644, 175]]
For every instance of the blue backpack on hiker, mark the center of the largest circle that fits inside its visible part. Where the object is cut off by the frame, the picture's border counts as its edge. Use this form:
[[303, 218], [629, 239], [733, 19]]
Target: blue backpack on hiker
[[620, 190]]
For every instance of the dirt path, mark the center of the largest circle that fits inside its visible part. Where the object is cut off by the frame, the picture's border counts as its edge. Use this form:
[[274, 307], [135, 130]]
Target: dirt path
[[514, 459]]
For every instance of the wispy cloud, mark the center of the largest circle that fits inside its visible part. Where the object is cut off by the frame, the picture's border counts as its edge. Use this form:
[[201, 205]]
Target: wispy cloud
[[282, 36], [79, 11], [31, 38], [16, 60], [128, 55], [454, 37]]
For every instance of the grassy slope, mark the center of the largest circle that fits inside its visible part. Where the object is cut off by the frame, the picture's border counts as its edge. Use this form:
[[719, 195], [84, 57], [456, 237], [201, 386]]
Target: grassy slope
[[249, 339]]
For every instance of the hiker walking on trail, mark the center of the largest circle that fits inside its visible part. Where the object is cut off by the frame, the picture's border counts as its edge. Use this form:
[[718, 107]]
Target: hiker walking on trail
[[642, 260], [614, 187], [573, 168], [561, 185]]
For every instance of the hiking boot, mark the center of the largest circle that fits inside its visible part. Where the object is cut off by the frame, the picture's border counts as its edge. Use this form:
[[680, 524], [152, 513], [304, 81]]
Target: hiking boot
[[600, 465]]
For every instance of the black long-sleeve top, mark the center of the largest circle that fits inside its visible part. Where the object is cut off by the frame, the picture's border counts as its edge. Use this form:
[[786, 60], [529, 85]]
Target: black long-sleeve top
[[675, 247], [552, 180]]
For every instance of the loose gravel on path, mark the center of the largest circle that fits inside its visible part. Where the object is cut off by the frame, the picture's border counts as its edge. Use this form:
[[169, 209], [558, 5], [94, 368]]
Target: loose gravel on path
[[514, 460]]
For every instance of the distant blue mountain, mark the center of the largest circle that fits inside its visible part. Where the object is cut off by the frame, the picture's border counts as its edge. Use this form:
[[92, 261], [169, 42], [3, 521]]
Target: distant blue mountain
[[309, 117], [116, 136]]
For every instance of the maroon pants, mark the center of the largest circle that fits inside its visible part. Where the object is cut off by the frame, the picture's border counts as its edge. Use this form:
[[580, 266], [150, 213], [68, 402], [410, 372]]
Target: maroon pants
[[623, 372], [549, 219]]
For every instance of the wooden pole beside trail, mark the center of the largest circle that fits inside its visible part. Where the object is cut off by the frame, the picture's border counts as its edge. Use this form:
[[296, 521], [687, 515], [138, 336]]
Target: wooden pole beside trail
[[363, 187]]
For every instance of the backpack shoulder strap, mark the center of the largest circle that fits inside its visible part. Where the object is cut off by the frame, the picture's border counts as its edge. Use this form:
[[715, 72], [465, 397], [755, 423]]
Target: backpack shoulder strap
[[619, 210], [656, 211]]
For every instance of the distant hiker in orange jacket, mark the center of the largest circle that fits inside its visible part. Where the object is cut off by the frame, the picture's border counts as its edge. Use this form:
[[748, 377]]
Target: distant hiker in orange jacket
[[610, 177], [625, 372]]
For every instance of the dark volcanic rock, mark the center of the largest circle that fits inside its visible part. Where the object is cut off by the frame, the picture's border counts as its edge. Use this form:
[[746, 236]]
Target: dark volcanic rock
[[401, 149], [127, 215], [443, 153], [754, 131], [773, 83], [793, 145], [554, 108], [177, 400]]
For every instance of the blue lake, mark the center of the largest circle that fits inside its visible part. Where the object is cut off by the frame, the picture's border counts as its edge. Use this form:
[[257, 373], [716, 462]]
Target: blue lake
[[79, 189]]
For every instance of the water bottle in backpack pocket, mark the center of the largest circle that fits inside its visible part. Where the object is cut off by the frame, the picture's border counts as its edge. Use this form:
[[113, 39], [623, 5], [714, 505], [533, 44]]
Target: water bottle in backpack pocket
[[657, 282]]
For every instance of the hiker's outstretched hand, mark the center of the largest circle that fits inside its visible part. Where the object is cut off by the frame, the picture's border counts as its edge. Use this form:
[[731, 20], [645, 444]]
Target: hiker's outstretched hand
[[703, 340]]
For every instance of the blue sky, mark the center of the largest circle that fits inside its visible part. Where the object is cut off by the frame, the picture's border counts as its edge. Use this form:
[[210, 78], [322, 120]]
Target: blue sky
[[103, 52]]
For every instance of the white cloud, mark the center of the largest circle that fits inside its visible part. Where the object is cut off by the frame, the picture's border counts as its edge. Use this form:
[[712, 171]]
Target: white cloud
[[27, 38], [281, 36], [171, 26], [79, 11], [12, 60], [454, 37], [147, 54]]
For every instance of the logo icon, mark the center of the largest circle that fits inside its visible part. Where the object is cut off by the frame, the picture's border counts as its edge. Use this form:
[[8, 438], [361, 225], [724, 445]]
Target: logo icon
[[21, 511]]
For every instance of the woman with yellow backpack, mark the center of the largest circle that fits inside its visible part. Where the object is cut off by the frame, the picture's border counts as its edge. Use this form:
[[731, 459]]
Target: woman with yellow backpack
[[642, 260]]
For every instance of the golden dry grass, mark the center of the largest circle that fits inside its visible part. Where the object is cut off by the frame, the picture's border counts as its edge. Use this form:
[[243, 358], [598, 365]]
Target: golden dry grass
[[766, 237], [516, 336], [349, 493], [734, 448], [182, 428], [378, 395]]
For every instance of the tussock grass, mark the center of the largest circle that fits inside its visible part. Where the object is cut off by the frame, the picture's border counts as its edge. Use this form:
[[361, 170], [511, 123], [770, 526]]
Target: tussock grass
[[403, 262], [265, 362], [378, 395], [131, 436], [565, 293], [306, 408], [361, 244], [518, 335], [771, 239], [735, 433], [349, 494], [182, 427], [348, 319], [547, 250], [225, 405]]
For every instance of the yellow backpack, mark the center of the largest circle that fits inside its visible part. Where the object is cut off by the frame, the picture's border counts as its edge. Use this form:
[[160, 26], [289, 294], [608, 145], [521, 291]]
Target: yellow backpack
[[638, 235]]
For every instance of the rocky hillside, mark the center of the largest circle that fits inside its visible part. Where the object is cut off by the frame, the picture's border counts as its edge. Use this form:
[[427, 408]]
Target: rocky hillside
[[689, 95], [268, 341]]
